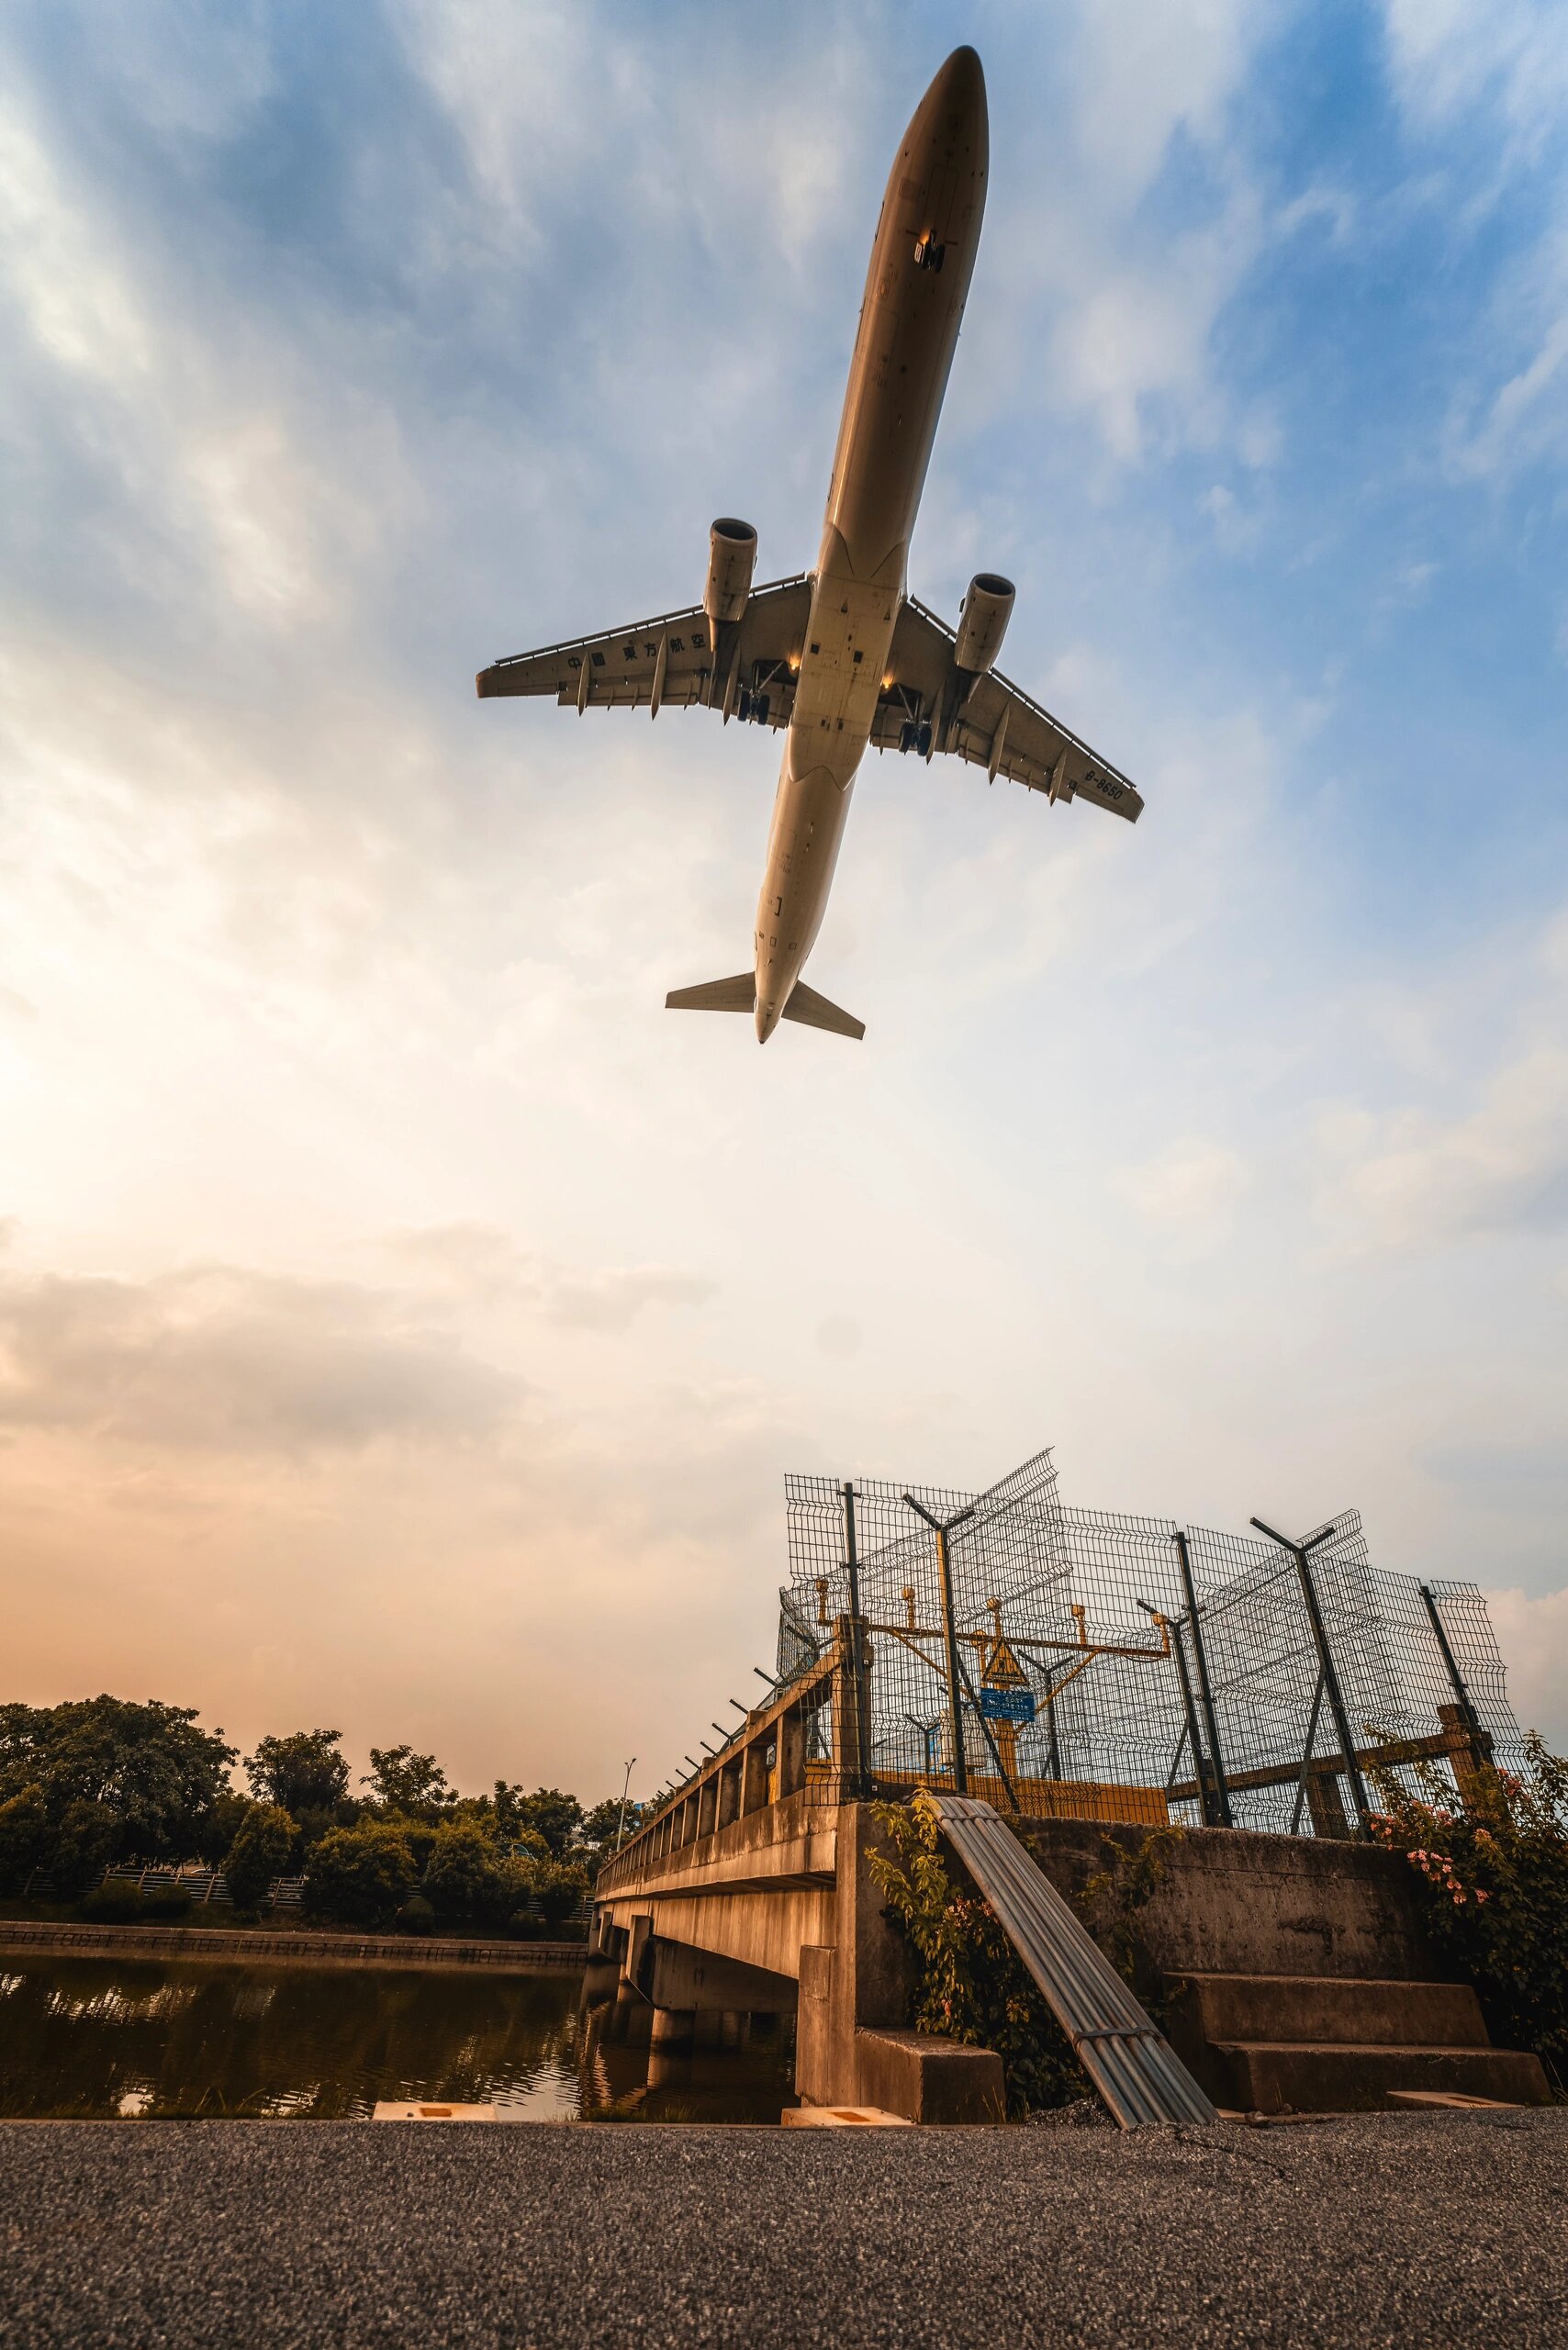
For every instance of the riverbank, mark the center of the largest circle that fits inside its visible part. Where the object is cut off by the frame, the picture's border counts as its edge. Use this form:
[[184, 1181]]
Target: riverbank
[[1417, 2228], [286, 1945]]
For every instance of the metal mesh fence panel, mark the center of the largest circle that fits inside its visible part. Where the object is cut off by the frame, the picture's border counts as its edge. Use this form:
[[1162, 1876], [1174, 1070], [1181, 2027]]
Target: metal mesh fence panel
[[1087, 1686]]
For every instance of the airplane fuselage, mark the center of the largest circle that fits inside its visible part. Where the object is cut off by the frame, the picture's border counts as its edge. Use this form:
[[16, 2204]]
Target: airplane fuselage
[[922, 262]]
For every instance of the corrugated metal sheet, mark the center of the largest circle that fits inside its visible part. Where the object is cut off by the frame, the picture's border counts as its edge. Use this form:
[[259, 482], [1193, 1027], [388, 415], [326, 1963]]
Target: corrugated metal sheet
[[1132, 2064]]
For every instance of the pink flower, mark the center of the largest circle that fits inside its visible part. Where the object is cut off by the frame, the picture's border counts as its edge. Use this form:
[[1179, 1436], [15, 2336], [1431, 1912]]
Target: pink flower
[[1481, 1897]]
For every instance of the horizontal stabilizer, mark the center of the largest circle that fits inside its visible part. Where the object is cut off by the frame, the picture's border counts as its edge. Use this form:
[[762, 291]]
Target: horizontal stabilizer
[[738, 994], [814, 1011]]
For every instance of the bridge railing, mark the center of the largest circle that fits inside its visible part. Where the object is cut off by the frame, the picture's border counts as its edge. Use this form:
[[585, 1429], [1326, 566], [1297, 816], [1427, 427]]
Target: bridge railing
[[793, 1744], [812, 1741]]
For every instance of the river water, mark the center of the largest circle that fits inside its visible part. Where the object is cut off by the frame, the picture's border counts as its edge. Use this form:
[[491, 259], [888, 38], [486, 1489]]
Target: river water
[[100, 2037]]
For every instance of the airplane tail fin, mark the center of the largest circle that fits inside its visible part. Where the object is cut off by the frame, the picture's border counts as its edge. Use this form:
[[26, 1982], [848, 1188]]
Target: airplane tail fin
[[814, 1011], [738, 994]]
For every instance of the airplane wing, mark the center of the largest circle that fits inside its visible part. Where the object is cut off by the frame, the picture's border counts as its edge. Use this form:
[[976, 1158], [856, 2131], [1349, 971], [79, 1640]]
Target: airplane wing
[[746, 667], [928, 705]]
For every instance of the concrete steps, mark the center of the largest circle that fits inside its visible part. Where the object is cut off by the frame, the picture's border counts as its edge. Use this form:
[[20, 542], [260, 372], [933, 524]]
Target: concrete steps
[[1267, 2043]]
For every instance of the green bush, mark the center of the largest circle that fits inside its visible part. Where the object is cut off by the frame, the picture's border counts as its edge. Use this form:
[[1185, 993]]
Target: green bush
[[558, 1887], [1493, 1858], [359, 1877], [416, 1916], [116, 1902], [260, 1851], [168, 1905], [24, 1837], [84, 1838], [420, 1835], [464, 1876]]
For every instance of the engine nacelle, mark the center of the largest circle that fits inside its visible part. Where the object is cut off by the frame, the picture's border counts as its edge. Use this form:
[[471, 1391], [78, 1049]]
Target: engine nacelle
[[982, 623], [732, 559]]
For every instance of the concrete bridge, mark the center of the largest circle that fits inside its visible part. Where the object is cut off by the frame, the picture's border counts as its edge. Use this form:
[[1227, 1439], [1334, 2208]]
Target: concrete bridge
[[1297, 1970]]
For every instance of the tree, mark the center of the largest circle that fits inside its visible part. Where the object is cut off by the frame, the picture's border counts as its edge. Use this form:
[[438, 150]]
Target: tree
[[260, 1851], [466, 1875], [24, 1837], [302, 1772], [553, 1815], [601, 1826], [219, 1826], [359, 1877], [405, 1781], [559, 1887], [148, 1767]]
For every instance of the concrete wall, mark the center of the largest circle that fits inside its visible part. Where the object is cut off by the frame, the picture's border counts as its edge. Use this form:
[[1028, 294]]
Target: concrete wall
[[1231, 1902], [257, 1947]]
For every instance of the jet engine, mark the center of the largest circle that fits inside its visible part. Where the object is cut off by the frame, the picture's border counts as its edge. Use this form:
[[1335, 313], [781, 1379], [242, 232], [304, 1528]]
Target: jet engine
[[732, 559], [982, 623]]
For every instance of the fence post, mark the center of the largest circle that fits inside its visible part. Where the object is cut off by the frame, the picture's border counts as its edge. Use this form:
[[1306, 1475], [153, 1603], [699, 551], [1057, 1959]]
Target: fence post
[[1480, 1745], [1200, 1759], [949, 1635], [950, 1641], [1216, 1761], [1301, 1784], [861, 1773], [1330, 1676]]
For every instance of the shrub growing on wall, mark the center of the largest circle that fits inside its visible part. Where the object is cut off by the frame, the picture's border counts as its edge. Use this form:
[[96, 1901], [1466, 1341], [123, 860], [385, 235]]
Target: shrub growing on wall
[[1494, 1860], [359, 1877], [971, 1986]]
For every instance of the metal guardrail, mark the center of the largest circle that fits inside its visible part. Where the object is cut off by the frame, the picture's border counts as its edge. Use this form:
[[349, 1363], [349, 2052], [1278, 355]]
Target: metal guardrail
[[1130, 2062]]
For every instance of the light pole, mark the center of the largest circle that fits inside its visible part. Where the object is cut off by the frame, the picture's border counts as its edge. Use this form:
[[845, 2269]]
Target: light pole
[[625, 1790]]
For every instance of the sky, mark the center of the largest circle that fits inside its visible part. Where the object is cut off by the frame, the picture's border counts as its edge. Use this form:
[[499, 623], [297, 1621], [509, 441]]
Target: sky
[[406, 1324]]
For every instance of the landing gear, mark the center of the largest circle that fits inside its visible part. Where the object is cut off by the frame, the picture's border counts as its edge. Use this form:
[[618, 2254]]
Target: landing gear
[[916, 736], [929, 254]]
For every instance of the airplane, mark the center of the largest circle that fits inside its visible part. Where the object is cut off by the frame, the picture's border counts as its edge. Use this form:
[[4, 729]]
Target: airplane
[[842, 657]]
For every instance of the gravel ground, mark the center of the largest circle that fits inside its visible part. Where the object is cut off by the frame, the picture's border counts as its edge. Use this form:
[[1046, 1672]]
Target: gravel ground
[[1402, 2229]]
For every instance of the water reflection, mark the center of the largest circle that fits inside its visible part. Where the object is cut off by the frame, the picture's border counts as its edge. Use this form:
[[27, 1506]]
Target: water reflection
[[99, 2037]]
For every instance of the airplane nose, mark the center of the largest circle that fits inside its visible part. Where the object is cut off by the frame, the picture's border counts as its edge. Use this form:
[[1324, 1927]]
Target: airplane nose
[[960, 80]]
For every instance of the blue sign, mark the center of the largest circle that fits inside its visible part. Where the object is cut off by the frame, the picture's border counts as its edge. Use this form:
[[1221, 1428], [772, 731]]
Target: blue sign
[[1007, 1704]]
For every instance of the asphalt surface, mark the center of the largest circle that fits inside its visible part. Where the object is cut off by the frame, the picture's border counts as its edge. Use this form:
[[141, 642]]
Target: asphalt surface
[[1407, 2228]]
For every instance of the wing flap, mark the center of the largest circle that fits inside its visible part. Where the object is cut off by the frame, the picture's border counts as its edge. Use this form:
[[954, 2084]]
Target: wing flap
[[747, 668], [996, 725]]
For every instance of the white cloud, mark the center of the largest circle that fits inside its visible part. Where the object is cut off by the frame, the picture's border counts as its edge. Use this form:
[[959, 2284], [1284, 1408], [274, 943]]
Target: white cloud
[[1191, 1182], [220, 1359], [62, 267], [1503, 64], [1416, 1181], [478, 1260]]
